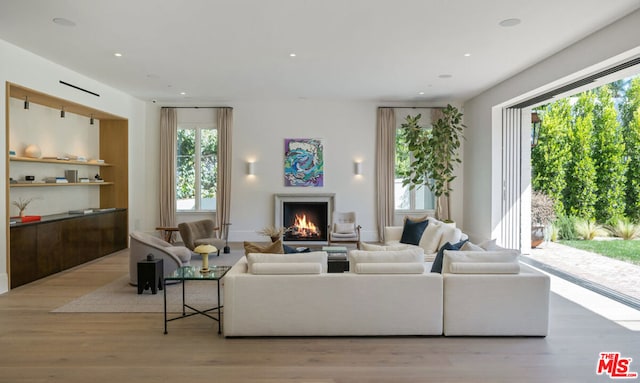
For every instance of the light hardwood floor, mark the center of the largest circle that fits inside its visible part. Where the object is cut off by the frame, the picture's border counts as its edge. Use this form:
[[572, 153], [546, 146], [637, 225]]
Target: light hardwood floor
[[39, 346]]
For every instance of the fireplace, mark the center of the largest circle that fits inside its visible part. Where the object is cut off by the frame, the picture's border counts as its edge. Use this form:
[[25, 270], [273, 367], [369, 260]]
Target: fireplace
[[305, 217]]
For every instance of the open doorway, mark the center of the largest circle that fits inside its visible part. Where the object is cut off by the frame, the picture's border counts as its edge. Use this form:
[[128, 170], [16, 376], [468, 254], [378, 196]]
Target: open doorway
[[577, 148]]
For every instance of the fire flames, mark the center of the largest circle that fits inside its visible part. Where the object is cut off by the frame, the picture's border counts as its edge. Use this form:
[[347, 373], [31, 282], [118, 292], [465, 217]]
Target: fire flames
[[303, 228]]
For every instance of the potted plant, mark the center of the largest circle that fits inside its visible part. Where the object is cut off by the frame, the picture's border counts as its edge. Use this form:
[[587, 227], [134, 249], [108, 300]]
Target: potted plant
[[435, 152], [272, 232], [542, 214], [22, 204]]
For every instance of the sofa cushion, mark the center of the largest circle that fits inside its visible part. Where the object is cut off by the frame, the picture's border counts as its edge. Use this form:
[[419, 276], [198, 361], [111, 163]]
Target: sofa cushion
[[312, 257], [412, 231], [390, 268], [490, 245], [272, 247], [286, 268], [500, 256], [411, 255], [371, 247], [437, 262], [484, 268]]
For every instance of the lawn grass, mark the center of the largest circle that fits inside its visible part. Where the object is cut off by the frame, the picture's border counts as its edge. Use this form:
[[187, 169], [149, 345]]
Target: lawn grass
[[628, 251]]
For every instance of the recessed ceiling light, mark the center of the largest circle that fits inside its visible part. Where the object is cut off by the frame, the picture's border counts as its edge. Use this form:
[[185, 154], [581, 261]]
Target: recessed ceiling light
[[64, 22], [467, 55], [446, 75], [183, 93], [117, 54], [509, 22], [292, 55], [421, 93]]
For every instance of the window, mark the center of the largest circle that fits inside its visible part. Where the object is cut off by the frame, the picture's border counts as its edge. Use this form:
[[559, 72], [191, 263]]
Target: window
[[420, 198], [197, 168]]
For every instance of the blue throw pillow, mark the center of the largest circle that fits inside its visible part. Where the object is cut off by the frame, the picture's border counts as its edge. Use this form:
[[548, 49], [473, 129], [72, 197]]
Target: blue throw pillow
[[412, 231], [437, 263]]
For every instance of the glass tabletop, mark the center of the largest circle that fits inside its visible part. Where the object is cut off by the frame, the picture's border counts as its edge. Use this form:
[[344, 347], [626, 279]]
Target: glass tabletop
[[194, 273]]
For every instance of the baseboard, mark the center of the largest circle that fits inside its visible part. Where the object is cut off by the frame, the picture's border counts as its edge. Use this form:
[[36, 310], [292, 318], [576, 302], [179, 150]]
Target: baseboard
[[4, 283]]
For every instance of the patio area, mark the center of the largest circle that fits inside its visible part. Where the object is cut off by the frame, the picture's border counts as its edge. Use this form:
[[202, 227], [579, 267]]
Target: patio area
[[619, 276]]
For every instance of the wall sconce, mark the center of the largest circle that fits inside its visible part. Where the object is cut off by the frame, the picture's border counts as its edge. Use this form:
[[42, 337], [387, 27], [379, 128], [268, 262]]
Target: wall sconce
[[251, 168], [62, 112], [26, 102], [91, 119], [357, 168]]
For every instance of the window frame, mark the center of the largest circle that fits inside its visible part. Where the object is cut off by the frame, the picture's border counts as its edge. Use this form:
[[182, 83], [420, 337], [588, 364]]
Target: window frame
[[198, 128]]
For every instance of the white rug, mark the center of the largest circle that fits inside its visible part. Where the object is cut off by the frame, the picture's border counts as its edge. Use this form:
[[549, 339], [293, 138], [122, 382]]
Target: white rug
[[121, 297]]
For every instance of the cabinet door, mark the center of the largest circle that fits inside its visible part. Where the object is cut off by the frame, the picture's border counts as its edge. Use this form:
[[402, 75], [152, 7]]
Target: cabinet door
[[24, 256], [51, 249]]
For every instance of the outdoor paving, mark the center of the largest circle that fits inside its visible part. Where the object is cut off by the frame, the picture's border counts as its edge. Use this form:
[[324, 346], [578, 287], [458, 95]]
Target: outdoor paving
[[617, 275]]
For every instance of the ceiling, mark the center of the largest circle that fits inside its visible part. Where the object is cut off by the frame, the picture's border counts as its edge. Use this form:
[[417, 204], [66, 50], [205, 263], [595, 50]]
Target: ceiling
[[222, 51]]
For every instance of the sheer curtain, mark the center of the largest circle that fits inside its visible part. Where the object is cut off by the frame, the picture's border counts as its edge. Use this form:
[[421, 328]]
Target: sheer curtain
[[168, 139], [223, 194], [385, 168]]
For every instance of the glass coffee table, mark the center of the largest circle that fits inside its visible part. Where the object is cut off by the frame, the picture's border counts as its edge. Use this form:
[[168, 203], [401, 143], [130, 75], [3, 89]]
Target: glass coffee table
[[192, 273]]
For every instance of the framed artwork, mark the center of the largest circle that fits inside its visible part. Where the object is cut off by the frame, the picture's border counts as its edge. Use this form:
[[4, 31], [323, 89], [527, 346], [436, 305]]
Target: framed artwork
[[303, 162]]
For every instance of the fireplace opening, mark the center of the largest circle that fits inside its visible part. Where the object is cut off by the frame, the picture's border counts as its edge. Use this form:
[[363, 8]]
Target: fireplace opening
[[305, 221]]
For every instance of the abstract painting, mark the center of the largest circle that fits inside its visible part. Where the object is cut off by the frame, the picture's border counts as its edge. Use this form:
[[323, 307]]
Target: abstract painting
[[303, 162]]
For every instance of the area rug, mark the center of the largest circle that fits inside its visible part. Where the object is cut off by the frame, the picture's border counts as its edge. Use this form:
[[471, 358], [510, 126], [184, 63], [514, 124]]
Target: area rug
[[121, 297]]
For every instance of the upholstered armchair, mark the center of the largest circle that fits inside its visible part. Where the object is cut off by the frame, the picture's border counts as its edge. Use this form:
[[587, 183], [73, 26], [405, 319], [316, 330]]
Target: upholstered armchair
[[345, 229], [143, 244], [203, 232]]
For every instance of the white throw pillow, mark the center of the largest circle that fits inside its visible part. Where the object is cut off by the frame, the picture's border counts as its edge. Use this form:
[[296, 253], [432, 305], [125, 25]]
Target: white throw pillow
[[450, 234], [431, 236], [344, 228]]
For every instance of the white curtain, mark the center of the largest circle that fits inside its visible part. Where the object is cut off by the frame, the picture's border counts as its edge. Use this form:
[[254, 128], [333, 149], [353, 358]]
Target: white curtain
[[385, 168], [168, 139]]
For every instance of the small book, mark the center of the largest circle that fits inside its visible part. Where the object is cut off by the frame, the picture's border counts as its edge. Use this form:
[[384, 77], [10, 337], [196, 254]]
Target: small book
[[30, 218]]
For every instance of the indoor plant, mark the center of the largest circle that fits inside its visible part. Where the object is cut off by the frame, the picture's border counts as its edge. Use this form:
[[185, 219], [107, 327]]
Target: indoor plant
[[435, 152]]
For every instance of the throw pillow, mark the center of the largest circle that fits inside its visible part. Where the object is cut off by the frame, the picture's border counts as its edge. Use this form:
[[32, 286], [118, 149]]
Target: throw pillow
[[412, 231], [489, 245], [468, 246], [272, 248], [437, 263], [432, 236], [344, 228]]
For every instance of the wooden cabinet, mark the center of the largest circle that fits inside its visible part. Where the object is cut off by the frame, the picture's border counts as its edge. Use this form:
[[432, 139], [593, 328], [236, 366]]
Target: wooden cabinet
[[63, 241]]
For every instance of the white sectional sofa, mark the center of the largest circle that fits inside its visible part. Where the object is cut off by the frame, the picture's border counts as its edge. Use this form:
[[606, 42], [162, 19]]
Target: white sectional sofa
[[292, 295], [385, 293]]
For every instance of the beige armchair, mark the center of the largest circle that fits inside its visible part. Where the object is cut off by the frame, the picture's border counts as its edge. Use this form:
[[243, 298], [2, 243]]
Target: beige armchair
[[344, 229], [143, 244], [203, 232]]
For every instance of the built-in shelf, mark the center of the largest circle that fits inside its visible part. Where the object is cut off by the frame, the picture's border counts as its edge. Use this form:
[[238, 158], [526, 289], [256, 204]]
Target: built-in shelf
[[54, 161], [61, 184]]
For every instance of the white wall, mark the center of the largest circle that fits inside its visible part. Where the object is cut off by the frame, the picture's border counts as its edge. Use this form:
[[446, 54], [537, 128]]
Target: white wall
[[482, 185], [28, 70]]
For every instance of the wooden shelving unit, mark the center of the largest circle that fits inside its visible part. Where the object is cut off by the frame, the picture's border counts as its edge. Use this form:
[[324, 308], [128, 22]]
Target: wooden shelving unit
[[113, 150]]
